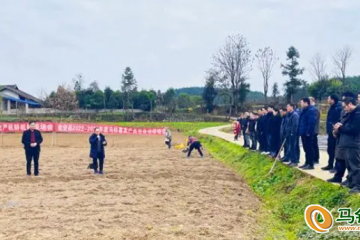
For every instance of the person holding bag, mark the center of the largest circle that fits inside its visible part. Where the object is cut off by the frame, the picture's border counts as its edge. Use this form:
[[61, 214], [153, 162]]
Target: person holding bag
[[97, 150]]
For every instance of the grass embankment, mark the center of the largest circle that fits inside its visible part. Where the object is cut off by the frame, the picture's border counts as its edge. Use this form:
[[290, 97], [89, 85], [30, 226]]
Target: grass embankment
[[285, 194]]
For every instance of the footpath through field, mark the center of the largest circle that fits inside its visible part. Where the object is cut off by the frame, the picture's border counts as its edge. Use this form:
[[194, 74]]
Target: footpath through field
[[317, 172]]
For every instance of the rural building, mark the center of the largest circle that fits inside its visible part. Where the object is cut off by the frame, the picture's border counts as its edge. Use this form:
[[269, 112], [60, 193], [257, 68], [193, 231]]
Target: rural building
[[15, 101]]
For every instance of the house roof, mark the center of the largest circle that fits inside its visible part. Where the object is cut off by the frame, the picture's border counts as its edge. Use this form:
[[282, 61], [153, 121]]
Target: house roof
[[12, 86], [15, 89]]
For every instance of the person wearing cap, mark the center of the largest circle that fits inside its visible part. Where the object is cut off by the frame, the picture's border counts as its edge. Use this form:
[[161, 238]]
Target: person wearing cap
[[97, 150], [32, 140]]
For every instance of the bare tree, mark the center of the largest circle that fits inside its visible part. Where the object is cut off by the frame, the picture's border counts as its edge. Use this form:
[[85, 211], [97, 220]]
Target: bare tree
[[266, 60], [63, 99], [235, 62], [225, 90], [318, 66], [94, 86], [42, 94], [341, 61]]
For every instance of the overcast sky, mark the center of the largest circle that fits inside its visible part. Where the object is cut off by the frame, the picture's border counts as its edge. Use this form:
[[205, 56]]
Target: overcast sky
[[167, 43]]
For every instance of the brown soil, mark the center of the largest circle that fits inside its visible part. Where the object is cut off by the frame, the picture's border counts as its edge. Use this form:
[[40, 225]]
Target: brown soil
[[147, 192]]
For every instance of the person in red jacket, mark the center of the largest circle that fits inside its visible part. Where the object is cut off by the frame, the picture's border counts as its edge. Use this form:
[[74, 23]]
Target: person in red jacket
[[237, 129], [192, 143]]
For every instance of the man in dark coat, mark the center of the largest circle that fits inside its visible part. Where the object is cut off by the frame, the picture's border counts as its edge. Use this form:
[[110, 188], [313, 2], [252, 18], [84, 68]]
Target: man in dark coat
[[263, 129], [245, 130], [348, 132], [275, 133], [333, 117], [259, 125], [32, 140], [340, 153], [307, 124], [292, 137], [315, 143], [252, 131], [267, 128], [283, 114], [97, 150]]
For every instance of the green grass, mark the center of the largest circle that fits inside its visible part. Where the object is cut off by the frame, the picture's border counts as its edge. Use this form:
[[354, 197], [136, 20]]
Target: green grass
[[285, 194]]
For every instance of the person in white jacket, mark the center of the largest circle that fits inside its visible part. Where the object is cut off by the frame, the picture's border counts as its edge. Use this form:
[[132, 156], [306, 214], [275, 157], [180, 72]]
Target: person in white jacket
[[168, 137]]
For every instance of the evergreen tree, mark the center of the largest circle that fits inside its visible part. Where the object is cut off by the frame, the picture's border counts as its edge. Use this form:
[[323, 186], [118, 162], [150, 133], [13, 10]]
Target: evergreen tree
[[292, 70], [209, 94], [170, 100], [275, 92], [128, 87]]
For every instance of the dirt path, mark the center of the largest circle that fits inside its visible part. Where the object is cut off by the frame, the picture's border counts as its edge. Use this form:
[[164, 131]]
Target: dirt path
[[148, 192]]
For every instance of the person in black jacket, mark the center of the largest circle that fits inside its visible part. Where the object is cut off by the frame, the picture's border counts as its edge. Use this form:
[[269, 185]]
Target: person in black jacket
[[259, 130], [268, 126], [333, 117], [275, 133], [348, 132], [97, 150], [283, 114], [263, 134], [292, 137], [252, 131], [32, 140], [245, 130], [307, 124], [315, 142], [340, 165]]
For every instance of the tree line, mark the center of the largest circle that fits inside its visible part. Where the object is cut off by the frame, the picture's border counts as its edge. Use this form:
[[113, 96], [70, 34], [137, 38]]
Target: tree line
[[78, 96], [233, 62], [226, 83]]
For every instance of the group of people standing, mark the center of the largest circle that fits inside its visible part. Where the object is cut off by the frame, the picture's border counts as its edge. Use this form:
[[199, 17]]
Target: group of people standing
[[274, 129]]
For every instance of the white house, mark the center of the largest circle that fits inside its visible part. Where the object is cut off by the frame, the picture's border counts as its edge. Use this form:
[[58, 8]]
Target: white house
[[15, 101]]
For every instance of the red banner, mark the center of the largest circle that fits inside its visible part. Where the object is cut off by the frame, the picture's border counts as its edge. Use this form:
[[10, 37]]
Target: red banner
[[79, 128]]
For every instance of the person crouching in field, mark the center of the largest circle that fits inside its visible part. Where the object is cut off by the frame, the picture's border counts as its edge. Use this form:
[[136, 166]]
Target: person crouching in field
[[194, 143], [32, 139], [97, 150], [168, 137], [237, 129]]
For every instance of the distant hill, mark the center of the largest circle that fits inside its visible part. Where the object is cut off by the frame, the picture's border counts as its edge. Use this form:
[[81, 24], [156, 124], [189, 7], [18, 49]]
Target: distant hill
[[198, 91]]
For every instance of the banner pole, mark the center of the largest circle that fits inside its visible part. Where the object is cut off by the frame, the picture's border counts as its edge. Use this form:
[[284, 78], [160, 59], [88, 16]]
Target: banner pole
[[52, 139]]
